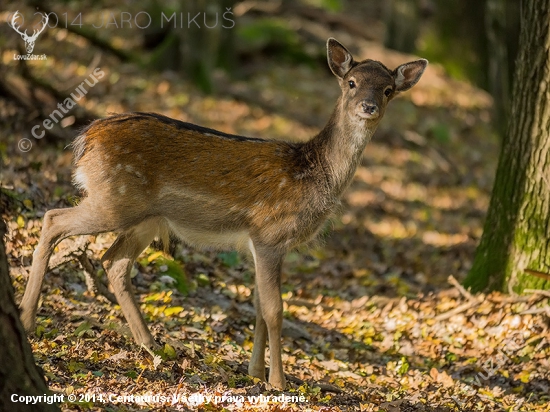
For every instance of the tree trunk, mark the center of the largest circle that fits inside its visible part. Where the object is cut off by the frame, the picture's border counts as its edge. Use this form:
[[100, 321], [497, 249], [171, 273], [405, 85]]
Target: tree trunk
[[18, 373], [502, 28], [402, 25], [514, 252], [206, 43]]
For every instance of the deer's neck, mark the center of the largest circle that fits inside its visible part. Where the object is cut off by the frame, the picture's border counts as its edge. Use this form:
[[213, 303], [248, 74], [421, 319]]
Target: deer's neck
[[339, 147]]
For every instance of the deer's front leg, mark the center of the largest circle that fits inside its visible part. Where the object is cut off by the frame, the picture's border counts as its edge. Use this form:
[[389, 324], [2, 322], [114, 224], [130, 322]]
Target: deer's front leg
[[256, 367], [269, 314]]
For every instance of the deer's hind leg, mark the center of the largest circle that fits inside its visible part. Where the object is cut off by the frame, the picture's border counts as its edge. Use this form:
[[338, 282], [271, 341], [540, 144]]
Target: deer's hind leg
[[118, 262], [57, 225]]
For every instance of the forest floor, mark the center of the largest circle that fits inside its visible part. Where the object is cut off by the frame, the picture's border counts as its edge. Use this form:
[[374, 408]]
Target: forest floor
[[371, 320]]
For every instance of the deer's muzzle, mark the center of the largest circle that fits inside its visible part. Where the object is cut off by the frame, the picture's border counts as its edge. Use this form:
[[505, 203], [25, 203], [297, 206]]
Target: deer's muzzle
[[368, 110]]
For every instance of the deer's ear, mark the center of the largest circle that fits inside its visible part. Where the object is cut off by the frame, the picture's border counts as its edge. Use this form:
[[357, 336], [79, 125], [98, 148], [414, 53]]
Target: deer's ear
[[408, 74], [339, 58]]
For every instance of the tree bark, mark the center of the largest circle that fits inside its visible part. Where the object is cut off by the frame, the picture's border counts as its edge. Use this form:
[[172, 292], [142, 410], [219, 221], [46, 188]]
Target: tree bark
[[402, 25], [205, 44], [502, 29], [18, 373], [514, 252]]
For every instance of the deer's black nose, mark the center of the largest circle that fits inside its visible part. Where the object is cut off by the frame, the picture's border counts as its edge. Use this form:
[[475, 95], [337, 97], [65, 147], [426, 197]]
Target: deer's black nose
[[370, 108]]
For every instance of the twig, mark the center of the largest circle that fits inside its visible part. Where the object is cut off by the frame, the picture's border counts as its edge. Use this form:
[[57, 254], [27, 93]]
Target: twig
[[326, 387], [79, 246], [461, 288], [538, 273], [472, 301], [545, 293], [536, 311], [77, 251], [93, 283], [459, 309], [536, 295], [294, 379], [511, 299]]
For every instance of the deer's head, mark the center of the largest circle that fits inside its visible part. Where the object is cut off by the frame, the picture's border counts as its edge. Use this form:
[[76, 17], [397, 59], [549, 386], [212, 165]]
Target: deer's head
[[368, 86], [29, 40]]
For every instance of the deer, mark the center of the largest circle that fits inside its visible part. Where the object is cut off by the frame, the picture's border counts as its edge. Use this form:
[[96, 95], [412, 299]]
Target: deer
[[147, 176], [29, 40]]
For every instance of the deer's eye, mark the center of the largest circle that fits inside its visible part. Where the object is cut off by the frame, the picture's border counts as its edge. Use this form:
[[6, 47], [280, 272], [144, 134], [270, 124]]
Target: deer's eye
[[388, 91], [351, 84]]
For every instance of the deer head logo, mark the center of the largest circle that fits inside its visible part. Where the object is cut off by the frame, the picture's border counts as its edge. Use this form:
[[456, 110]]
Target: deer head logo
[[29, 40]]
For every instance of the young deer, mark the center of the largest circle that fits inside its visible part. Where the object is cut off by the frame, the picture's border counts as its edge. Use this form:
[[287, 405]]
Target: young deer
[[146, 176]]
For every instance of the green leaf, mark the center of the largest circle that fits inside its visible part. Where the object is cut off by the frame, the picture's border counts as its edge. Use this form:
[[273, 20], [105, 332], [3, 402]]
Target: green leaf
[[451, 357], [229, 259], [402, 366], [51, 333], [74, 366], [40, 331], [131, 374], [83, 328], [173, 269], [441, 133], [169, 351], [203, 280]]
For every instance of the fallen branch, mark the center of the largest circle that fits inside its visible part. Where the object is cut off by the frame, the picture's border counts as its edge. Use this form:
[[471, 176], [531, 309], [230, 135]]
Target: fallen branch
[[511, 299], [538, 274], [460, 288], [94, 285], [77, 251], [459, 309], [545, 293], [68, 254], [536, 311], [327, 387]]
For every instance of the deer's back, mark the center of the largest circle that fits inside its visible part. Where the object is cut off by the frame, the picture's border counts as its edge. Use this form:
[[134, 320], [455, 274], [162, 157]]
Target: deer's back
[[199, 179]]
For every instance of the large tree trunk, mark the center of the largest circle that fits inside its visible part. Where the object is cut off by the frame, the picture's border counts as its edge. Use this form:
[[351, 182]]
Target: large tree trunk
[[502, 28], [402, 25], [18, 373], [514, 252]]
